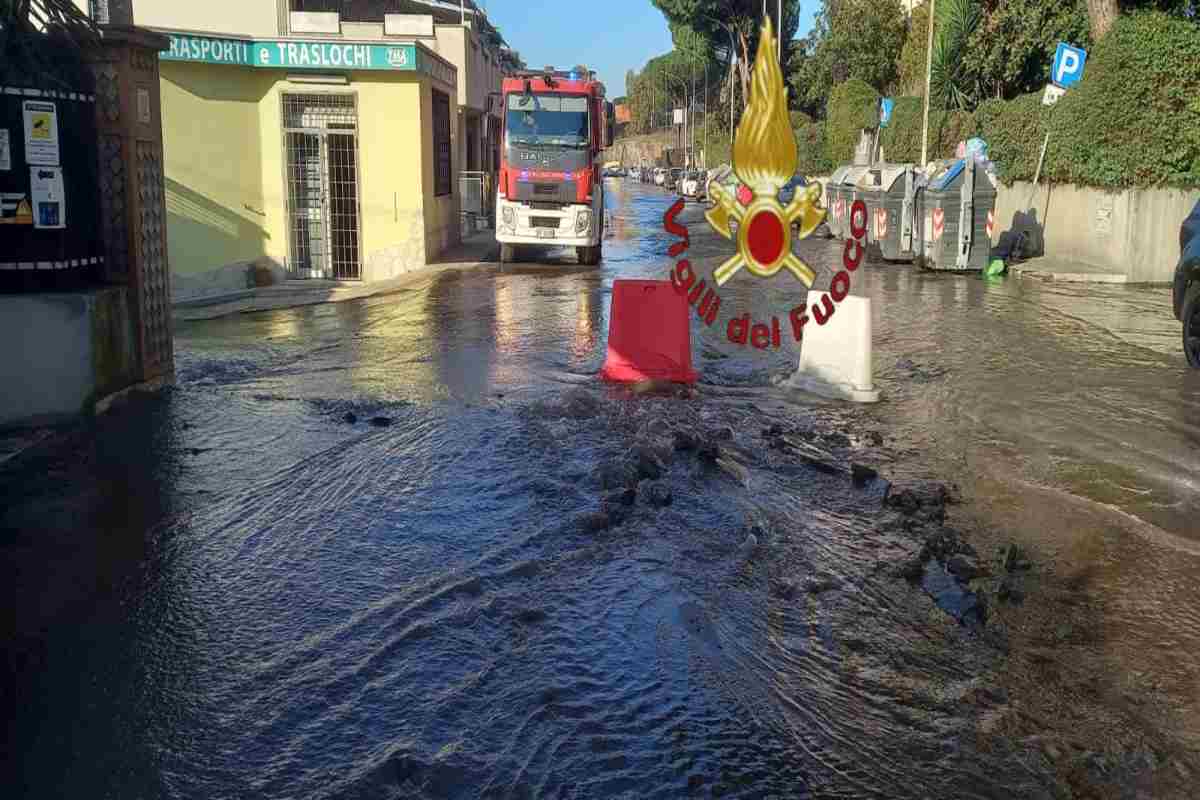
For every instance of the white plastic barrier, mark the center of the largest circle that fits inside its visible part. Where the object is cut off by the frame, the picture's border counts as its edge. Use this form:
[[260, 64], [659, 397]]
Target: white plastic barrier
[[835, 358]]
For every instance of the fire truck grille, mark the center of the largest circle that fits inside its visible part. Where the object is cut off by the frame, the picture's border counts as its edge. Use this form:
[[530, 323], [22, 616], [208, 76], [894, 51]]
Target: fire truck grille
[[543, 222]]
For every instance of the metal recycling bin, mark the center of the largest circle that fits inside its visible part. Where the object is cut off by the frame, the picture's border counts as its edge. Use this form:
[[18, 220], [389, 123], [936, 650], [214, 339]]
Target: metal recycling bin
[[833, 193], [957, 191], [890, 193], [855, 190], [842, 193]]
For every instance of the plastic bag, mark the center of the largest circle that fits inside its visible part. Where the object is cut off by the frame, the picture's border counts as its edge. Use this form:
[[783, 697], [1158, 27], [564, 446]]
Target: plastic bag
[[976, 148]]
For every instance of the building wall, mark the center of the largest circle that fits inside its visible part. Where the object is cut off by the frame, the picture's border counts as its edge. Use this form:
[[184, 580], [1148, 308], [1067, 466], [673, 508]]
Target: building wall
[[442, 228], [217, 223], [77, 348], [247, 17], [393, 143]]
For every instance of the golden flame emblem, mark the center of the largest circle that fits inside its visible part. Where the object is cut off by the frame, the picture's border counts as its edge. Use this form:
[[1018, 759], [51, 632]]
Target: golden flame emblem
[[764, 159]]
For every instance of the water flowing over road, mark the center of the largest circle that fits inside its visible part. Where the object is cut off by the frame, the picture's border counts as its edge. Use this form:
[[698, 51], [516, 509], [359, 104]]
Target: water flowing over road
[[350, 554]]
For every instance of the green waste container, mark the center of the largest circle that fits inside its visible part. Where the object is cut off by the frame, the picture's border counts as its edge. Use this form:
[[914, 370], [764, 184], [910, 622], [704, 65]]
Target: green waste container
[[953, 211]]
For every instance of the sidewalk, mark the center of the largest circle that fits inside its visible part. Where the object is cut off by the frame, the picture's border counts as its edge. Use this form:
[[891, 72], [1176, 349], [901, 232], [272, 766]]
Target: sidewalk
[[475, 250], [1054, 268]]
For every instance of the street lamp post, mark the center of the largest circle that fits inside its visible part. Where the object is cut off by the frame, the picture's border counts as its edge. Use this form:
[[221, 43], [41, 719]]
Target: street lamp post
[[928, 83]]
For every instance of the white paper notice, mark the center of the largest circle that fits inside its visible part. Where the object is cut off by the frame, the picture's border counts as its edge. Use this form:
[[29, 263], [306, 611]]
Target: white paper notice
[[5, 151], [41, 133], [49, 200]]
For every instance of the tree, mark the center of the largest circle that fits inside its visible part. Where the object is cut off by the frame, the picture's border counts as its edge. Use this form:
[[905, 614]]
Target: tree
[[851, 39], [1102, 14], [952, 83], [911, 69], [1013, 47], [713, 23]]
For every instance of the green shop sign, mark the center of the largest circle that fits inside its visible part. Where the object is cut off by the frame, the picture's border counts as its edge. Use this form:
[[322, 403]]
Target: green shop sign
[[290, 53]]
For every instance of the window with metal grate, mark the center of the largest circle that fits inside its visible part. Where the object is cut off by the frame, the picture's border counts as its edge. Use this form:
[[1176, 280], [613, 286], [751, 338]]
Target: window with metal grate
[[442, 166]]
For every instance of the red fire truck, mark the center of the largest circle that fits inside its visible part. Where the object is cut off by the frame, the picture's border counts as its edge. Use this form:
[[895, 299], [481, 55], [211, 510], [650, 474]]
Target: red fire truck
[[550, 190]]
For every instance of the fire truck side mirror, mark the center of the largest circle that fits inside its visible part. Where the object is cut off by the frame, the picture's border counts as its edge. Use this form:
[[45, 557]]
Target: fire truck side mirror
[[608, 124]]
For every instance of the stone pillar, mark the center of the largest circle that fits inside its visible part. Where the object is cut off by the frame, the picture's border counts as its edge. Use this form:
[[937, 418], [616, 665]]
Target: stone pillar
[[133, 223]]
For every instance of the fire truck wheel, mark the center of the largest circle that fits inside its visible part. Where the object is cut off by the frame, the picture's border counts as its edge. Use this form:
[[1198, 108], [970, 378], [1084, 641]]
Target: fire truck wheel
[[588, 256]]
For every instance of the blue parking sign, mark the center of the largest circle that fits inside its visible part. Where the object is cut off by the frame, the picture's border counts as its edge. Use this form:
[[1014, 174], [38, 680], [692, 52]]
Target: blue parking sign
[[885, 111], [1068, 65]]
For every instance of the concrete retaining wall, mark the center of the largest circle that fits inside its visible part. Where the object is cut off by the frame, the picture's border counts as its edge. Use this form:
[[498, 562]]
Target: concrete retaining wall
[[1135, 233], [66, 351]]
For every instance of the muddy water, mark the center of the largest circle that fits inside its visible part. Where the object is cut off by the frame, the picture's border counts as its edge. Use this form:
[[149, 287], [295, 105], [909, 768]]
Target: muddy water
[[343, 558]]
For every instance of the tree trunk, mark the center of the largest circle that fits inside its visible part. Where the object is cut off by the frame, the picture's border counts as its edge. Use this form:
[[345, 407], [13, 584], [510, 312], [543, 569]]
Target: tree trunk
[[1102, 14], [744, 69]]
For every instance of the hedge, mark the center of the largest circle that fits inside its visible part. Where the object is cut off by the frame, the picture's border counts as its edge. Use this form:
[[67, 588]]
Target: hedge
[[901, 139], [853, 105], [1014, 131], [1134, 119], [811, 153]]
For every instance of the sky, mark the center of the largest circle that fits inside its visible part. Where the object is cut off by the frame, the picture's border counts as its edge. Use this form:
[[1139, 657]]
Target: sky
[[609, 36]]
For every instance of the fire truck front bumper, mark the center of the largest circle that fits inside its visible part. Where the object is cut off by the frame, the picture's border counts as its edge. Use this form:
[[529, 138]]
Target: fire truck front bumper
[[565, 226]]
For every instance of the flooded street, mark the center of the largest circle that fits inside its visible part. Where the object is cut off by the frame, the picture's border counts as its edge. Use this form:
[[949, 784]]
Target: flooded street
[[355, 552]]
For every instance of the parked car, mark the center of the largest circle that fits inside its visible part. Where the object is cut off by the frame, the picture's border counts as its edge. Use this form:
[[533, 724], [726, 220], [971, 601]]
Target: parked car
[[673, 177], [693, 185], [660, 177], [634, 174], [1185, 293]]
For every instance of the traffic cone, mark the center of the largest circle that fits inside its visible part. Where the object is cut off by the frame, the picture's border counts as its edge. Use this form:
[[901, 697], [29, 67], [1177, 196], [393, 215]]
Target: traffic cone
[[648, 334]]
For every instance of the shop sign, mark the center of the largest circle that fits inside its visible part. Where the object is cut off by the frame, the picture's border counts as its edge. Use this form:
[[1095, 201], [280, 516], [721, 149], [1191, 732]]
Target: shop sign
[[290, 53]]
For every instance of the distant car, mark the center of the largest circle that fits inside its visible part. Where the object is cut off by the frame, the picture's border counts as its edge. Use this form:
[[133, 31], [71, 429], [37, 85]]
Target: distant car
[[693, 185], [660, 177], [673, 177], [1185, 294]]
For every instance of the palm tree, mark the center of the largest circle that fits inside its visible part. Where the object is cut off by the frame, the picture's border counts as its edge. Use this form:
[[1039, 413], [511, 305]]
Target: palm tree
[[950, 87], [41, 39]]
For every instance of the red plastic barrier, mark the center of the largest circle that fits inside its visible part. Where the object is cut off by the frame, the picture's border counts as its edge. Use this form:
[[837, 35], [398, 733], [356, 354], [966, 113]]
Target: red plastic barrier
[[648, 334]]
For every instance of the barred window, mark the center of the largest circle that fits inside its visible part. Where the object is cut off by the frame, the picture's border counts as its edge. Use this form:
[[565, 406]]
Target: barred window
[[441, 143]]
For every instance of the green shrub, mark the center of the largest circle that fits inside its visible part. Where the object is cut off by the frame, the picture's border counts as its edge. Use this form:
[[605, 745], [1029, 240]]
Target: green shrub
[[901, 139], [799, 118], [853, 105], [1014, 131], [1134, 119], [811, 157]]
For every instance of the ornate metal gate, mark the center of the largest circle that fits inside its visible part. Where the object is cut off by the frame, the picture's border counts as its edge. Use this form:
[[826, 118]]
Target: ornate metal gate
[[321, 162]]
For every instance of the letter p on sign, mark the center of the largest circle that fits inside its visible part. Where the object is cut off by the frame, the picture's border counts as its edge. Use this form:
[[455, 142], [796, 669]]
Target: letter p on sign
[[1068, 65]]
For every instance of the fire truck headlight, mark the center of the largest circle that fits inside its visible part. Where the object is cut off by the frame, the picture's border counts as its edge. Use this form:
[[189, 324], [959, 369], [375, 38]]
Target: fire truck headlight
[[506, 214], [583, 221]]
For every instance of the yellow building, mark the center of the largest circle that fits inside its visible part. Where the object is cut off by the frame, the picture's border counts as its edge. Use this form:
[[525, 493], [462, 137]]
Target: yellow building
[[316, 146]]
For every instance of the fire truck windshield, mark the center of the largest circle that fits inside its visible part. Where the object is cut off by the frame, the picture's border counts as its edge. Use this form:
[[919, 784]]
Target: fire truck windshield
[[547, 119]]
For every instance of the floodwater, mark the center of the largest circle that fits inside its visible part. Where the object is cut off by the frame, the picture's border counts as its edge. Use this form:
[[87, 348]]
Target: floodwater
[[342, 558]]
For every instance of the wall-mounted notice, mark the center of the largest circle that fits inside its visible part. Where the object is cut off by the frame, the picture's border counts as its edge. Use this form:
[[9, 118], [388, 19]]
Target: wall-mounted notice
[[41, 133], [49, 200], [5, 151]]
